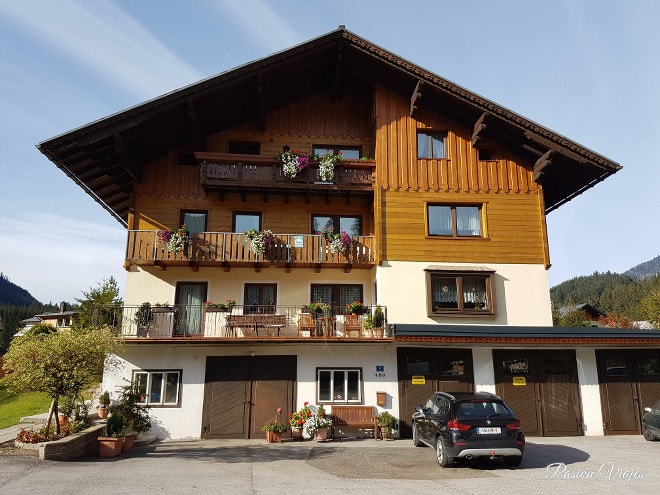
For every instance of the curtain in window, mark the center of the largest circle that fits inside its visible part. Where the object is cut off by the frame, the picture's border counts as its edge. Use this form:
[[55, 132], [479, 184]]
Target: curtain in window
[[439, 220], [423, 146], [191, 298], [467, 220], [438, 146], [474, 293], [196, 222], [445, 294]]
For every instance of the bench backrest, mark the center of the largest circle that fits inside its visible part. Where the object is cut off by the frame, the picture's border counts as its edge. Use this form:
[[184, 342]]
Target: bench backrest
[[353, 414]]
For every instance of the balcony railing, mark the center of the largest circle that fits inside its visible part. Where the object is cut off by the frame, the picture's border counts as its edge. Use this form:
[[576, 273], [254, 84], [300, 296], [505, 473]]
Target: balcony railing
[[225, 171], [237, 322], [232, 249]]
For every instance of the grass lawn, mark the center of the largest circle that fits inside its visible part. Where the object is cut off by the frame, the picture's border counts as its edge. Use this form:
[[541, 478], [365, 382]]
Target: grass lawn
[[14, 406]]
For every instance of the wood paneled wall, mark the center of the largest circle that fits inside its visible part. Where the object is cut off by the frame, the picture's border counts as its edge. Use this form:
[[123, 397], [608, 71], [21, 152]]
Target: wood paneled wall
[[514, 222]]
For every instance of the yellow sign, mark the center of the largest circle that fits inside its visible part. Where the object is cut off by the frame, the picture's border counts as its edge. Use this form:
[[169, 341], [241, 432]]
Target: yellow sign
[[418, 380], [519, 381]]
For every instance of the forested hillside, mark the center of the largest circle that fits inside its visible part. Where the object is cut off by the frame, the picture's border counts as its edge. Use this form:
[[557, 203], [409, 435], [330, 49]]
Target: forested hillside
[[610, 292], [11, 293]]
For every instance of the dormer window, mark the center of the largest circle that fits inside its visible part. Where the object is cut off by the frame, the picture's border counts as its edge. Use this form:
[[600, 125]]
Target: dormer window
[[431, 144]]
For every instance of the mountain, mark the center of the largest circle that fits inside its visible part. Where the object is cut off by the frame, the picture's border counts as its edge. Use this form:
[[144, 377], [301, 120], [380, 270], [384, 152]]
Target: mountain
[[14, 295], [644, 270]]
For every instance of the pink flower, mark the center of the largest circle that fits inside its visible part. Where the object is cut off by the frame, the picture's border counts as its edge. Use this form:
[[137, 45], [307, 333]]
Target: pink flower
[[279, 410]]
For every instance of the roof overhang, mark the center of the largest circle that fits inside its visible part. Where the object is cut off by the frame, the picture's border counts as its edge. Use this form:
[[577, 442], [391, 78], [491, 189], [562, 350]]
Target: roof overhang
[[106, 158]]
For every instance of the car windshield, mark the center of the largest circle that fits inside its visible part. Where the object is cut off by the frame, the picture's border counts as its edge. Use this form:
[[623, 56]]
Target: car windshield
[[482, 409]]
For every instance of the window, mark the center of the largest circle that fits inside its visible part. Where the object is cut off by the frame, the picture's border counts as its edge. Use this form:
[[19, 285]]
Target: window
[[158, 388], [431, 144], [460, 293], [245, 147], [339, 386], [350, 224], [454, 221], [336, 295], [194, 220], [260, 298], [189, 298], [245, 221], [347, 152]]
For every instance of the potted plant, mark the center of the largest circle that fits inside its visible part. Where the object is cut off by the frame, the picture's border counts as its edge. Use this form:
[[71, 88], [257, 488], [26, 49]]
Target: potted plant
[[143, 317], [387, 423], [379, 321], [355, 308], [318, 428], [111, 444], [297, 421], [368, 325], [274, 428], [104, 403], [135, 416]]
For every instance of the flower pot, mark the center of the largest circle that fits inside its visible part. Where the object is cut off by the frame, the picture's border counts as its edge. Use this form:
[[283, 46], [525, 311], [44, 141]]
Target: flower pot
[[102, 412], [129, 441], [297, 434], [110, 446], [321, 435], [273, 437]]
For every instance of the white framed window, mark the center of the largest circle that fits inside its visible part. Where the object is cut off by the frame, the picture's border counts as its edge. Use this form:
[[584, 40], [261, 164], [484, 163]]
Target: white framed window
[[158, 388], [339, 386], [431, 144]]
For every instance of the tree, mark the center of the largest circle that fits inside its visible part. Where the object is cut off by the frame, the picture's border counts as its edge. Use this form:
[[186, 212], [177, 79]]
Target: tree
[[574, 318], [616, 320], [100, 306], [650, 307], [60, 364]]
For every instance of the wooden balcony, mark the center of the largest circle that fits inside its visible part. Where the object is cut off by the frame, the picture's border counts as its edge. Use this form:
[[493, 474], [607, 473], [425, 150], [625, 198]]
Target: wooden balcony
[[227, 250], [285, 323], [226, 172]]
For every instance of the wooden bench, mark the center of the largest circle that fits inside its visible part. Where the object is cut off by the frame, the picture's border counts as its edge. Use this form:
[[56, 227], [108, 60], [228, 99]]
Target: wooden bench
[[354, 416], [251, 324]]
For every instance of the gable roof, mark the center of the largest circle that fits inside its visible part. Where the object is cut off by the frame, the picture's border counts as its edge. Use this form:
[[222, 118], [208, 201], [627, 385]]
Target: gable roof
[[107, 156]]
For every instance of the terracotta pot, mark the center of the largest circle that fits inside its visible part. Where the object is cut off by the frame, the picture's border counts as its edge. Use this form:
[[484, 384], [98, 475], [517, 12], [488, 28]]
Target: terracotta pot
[[273, 436], [102, 412], [297, 434], [110, 446], [129, 441], [321, 435]]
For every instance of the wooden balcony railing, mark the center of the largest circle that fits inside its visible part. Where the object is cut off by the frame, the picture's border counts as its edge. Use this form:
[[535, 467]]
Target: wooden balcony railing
[[227, 172], [225, 249], [238, 322]]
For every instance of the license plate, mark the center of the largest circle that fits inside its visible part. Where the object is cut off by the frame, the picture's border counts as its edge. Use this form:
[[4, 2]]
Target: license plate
[[489, 431]]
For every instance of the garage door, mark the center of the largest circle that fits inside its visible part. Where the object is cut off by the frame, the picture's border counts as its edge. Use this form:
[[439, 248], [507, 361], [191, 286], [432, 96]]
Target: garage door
[[629, 381], [542, 388], [423, 371], [242, 393]]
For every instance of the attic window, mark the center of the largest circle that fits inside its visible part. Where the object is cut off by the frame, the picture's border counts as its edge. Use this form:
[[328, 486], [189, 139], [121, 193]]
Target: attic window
[[431, 144], [245, 147]]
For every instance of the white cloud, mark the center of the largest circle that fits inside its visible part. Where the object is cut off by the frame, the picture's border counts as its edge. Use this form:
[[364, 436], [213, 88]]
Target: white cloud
[[58, 258], [101, 37], [265, 25]]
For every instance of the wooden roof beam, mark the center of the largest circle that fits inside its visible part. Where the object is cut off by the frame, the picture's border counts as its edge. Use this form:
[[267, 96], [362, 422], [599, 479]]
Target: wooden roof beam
[[126, 158], [416, 97], [479, 129], [552, 146], [542, 163]]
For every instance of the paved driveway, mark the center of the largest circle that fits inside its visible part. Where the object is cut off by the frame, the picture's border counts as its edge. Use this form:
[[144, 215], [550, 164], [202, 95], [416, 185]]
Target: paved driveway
[[612, 465]]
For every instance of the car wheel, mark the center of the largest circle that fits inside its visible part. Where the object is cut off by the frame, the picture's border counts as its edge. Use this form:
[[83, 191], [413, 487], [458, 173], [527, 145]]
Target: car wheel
[[648, 435], [513, 460], [441, 453], [416, 441]]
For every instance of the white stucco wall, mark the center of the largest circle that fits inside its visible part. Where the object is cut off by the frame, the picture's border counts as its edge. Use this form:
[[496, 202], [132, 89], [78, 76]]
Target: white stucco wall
[[589, 391], [185, 421], [521, 291]]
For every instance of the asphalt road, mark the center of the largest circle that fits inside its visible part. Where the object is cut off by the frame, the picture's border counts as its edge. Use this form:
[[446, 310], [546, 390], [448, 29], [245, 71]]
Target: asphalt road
[[585, 465]]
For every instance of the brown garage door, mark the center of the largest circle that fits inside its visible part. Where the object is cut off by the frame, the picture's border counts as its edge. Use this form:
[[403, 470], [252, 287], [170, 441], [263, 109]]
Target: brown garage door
[[443, 370], [629, 381], [542, 388], [242, 393]]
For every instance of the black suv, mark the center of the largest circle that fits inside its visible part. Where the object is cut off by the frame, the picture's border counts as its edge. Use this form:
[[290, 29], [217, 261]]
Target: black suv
[[467, 426]]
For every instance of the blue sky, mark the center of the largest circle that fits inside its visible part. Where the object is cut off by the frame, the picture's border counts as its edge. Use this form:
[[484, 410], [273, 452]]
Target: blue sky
[[586, 69]]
